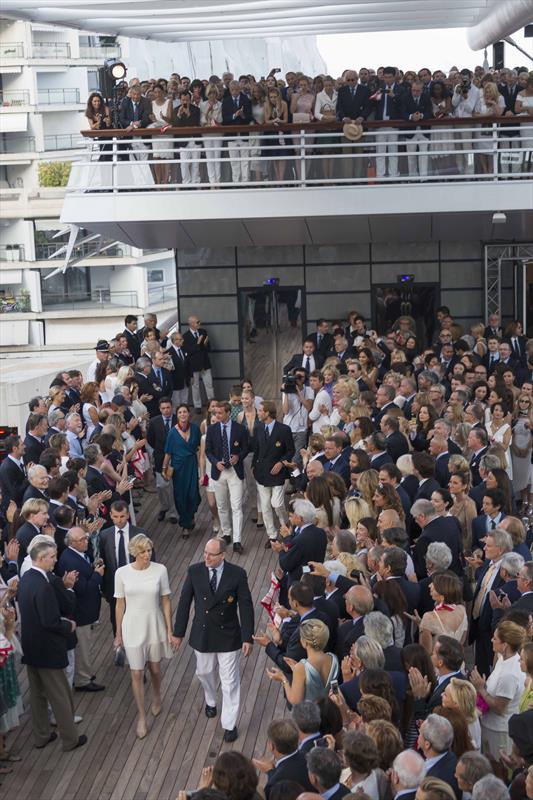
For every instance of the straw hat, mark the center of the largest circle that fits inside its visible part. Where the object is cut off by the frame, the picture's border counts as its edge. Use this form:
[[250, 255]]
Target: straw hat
[[352, 131]]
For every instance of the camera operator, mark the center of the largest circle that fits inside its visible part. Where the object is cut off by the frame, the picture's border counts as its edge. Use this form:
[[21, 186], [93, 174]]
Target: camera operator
[[296, 403], [464, 98]]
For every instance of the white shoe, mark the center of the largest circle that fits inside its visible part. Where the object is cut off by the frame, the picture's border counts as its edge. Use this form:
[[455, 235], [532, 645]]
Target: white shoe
[[77, 720]]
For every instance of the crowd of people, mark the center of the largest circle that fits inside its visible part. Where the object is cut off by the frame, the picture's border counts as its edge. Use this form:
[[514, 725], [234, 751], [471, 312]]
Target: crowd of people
[[393, 482], [355, 98]]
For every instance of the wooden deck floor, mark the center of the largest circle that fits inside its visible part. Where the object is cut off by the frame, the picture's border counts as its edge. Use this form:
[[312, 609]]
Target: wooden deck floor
[[115, 765]]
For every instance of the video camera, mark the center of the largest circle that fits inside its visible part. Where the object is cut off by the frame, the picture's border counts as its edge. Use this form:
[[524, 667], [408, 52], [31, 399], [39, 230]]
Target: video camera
[[289, 383]]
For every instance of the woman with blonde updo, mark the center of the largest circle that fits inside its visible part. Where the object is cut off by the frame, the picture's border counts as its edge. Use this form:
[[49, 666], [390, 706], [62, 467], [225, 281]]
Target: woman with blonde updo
[[144, 621], [461, 696], [312, 676]]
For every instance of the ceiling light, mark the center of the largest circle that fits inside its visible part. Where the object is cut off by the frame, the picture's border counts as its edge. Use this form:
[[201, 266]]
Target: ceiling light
[[499, 218]]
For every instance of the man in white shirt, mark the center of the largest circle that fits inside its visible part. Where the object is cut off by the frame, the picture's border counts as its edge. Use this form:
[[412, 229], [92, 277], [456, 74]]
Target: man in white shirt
[[73, 431], [322, 406], [296, 405], [464, 99]]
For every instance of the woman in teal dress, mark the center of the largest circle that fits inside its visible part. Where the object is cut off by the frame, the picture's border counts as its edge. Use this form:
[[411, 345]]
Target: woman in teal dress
[[181, 451]]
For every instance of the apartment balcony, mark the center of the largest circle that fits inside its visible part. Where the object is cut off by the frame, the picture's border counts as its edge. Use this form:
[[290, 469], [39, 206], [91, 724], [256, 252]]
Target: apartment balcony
[[43, 252], [57, 97], [63, 141], [16, 144], [14, 99], [95, 300], [100, 52], [306, 184], [12, 252], [59, 51]]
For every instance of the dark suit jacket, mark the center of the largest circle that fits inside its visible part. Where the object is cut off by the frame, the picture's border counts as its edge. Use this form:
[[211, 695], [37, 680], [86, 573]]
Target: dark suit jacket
[[411, 592], [376, 462], [44, 632], [326, 343], [482, 627], [427, 705], [341, 792], [441, 469], [348, 633], [216, 627], [181, 374], [34, 448], [166, 383], [106, 539], [394, 103], [13, 481], [238, 446], [86, 588], [156, 436], [148, 385], [197, 350], [440, 529], [410, 485], [445, 770], [474, 465], [229, 109], [410, 106], [293, 768], [397, 445], [134, 346], [309, 545], [426, 489], [30, 492], [476, 494], [24, 535], [338, 598], [270, 450], [298, 360], [352, 692], [126, 112], [479, 530], [353, 106], [340, 467]]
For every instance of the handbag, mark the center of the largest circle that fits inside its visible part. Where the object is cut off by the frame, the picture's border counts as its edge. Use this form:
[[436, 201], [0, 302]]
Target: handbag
[[300, 116]]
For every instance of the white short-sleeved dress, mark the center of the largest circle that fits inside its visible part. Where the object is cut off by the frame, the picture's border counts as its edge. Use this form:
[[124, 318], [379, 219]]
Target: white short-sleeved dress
[[144, 632], [506, 680]]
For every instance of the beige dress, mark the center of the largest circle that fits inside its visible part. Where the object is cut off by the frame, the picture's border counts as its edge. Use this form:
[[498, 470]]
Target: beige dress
[[451, 623]]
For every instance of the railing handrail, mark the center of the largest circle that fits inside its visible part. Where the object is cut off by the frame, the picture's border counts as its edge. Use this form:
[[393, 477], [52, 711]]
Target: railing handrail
[[312, 127], [62, 89]]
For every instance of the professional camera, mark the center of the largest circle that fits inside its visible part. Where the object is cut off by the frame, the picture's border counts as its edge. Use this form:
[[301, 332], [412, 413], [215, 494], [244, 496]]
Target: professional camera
[[289, 383], [465, 84]]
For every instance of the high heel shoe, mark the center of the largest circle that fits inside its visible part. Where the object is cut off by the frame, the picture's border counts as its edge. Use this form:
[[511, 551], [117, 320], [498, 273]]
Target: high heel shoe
[[142, 730], [155, 709]]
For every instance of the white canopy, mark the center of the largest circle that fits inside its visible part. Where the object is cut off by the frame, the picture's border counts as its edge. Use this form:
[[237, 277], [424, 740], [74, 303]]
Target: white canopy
[[190, 20]]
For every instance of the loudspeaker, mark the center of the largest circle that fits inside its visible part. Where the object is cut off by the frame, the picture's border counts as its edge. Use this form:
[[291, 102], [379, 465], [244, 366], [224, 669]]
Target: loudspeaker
[[497, 55]]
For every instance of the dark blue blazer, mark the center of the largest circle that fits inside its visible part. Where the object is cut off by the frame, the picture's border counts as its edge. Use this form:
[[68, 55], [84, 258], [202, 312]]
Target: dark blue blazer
[[411, 591], [86, 588], [308, 545], [293, 768], [13, 481], [409, 484], [353, 106], [394, 103], [409, 106], [442, 473], [378, 461], [34, 448], [291, 646], [397, 445], [352, 692], [445, 770], [44, 632], [340, 467], [440, 529], [238, 446], [348, 633], [479, 530]]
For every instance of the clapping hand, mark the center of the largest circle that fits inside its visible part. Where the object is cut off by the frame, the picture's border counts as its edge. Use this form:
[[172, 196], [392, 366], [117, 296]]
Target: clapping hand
[[477, 680], [420, 685], [263, 764], [275, 674], [12, 550], [70, 578], [274, 633], [347, 668], [206, 778], [10, 511], [262, 639]]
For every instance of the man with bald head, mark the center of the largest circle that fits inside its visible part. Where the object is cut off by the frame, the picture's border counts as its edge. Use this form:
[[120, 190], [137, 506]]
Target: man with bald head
[[353, 105], [359, 602], [196, 345]]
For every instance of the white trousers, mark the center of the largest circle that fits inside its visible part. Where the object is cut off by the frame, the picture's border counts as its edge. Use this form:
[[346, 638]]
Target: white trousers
[[417, 165], [180, 396], [207, 378], [387, 144], [228, 494], [239, 148], [272, 497], [230, 683], [213, 148], [190, 170], [165, 495]]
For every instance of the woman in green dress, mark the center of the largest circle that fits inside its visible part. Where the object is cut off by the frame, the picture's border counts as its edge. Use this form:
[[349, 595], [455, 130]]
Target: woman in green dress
[[181, 453]]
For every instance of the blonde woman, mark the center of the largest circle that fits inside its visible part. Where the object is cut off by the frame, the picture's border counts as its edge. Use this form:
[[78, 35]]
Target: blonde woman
[[312, 676], [368, 483], [355, 508], [521, 445], [478, 333], [144, 622], [211, 116], [490, 103], [276, 114], [461, 695]]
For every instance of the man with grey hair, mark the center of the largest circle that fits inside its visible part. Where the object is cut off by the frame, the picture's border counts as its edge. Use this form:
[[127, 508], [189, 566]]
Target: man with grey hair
[[56, 423], [74, 433], [44, 638], [488, 462], [306, 543], [237, 110], [150, 324], [197, 347], [471, 767], [490, 786], [435, 529], [150, 391], [434, 741], [408, 770], [366, 654], [359, 603], [438, 558], [38, 483], [380, 628], [488, 578], [306, 717]]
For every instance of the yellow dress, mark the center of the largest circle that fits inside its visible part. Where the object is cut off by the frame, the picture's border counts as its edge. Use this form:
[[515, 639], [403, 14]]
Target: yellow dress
[[526, 701]]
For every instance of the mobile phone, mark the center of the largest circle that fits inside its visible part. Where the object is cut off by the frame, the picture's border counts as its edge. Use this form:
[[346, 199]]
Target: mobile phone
[[334, 687], [322, 742], [306, 569]]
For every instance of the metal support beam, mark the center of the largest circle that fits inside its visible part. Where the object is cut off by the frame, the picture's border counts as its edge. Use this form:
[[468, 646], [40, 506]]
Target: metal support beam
[[498, 257]]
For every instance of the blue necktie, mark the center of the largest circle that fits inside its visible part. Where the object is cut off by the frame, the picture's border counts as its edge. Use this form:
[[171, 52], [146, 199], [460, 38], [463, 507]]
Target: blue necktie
[[225, 446]]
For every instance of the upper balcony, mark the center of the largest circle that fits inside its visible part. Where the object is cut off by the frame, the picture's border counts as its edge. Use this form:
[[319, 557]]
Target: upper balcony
[[305, 183]]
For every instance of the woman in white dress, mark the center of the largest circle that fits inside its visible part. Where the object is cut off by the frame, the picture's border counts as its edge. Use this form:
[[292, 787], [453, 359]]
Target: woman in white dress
[[210, 116], [144, 622], [161, 145], [326, 111], [524, 106], [258, 166], [522, 442], [502, 690], [90, 403], [500, 432], [490, 103]]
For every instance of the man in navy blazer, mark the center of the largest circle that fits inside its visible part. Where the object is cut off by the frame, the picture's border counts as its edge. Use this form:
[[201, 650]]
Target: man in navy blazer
[[387, 106], [415, 107], [337, 458], [434, 740], [435, 529], [353, 105], [44, 639], [286, 762], [226, 447], [306, 543], [13, 479], [88, 602], [488, 578], [237, 110], [492, 506]]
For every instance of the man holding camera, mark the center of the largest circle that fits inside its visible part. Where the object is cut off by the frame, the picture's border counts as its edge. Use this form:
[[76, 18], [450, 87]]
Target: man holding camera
[[296, 403], [464, 98]]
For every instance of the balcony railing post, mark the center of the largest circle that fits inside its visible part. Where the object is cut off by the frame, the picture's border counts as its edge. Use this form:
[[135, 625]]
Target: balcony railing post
[[495, 151], [114, 165], [302, 158]]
